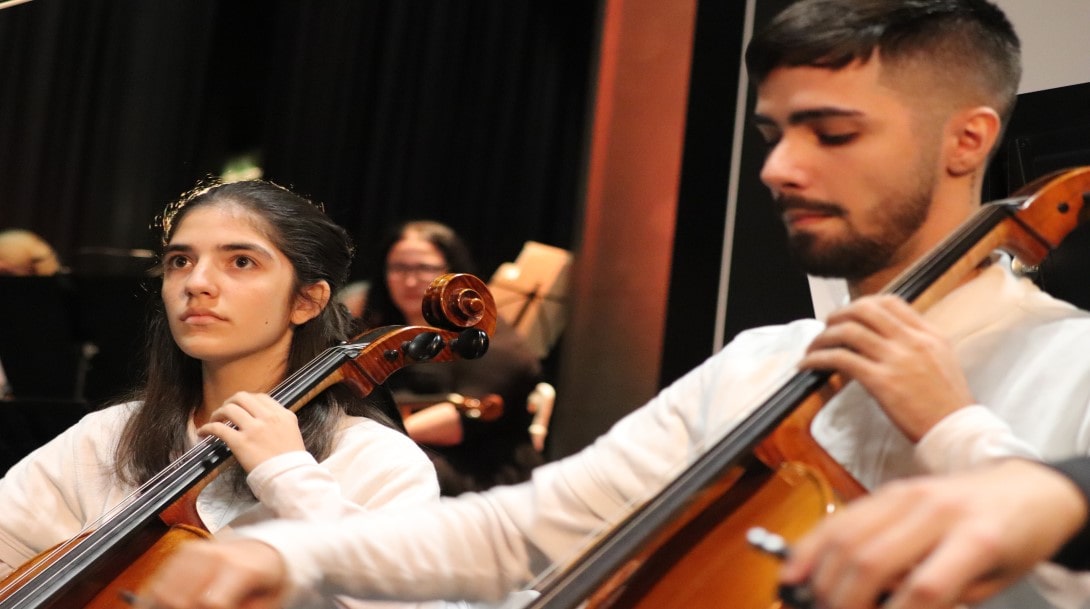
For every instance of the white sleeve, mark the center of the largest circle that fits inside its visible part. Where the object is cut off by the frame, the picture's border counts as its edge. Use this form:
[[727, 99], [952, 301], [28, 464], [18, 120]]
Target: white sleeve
[[469, 549], [968, 437], [372, 467]]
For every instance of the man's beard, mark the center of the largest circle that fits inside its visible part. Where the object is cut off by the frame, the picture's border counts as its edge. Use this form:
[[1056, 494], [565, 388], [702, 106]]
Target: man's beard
[[854, 255]]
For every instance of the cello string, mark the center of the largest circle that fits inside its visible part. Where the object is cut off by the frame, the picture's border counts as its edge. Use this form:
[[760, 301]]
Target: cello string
[[75, 542], [622, 511], [88, 540], [202, 447], [289, 391]]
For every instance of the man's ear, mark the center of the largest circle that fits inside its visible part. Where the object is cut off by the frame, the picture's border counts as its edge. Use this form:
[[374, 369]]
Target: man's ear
[[973, 134], [311, 302]]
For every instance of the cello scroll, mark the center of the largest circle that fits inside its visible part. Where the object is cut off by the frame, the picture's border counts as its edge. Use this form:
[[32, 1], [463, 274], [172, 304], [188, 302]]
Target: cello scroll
[[463, 312]]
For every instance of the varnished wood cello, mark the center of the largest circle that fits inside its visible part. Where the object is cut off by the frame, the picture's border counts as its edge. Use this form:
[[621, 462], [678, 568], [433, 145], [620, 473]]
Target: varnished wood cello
[[99, 567], [686, 546]]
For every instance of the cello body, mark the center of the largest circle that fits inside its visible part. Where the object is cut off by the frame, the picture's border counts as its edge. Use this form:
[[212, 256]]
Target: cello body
[[710, 546]]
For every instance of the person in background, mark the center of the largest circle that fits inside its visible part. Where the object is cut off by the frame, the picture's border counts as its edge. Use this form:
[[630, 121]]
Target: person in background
[[471, 415], [936, 542], [25, 254], [248, 270], [880, 117]]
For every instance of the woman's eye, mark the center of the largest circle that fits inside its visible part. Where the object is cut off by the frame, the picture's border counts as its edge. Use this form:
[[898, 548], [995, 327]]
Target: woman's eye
[[175, 262], [243, 262]]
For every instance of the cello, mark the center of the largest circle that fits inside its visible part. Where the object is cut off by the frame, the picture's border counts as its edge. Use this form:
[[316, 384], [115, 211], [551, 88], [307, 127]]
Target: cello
[[687, 545], [97, 568]]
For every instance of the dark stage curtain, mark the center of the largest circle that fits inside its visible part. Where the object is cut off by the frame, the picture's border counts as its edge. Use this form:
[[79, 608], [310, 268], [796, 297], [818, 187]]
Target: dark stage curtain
[[466, 112], [98, 120], [472, 113]]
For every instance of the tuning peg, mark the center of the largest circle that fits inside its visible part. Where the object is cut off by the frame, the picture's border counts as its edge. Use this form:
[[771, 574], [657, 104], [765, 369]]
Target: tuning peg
[[470, 343], [423, 346]]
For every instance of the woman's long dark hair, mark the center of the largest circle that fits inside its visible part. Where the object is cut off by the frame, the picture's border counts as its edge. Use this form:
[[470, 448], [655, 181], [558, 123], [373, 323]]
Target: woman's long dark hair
[[380, 309], [318, 250]]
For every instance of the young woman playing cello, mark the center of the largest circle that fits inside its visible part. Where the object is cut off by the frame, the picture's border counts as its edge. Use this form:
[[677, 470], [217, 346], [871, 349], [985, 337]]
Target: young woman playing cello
[[247, 273]]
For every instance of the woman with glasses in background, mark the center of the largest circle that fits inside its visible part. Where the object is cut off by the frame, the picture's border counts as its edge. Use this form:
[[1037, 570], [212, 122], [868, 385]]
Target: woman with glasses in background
[[470, 414]]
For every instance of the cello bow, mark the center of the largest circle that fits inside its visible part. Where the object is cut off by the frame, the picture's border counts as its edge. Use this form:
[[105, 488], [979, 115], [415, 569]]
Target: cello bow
[[115, 554], [686, 545]]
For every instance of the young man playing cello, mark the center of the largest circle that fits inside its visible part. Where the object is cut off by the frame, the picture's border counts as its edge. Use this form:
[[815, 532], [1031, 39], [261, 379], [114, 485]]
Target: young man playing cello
[[880, 116]]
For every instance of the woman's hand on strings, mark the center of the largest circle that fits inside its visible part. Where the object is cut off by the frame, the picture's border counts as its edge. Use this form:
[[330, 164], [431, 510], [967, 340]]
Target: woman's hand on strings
[[882, 343], [260, 428]]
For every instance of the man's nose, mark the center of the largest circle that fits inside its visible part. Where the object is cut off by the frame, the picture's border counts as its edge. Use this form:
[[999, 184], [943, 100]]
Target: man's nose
[[783, 167]]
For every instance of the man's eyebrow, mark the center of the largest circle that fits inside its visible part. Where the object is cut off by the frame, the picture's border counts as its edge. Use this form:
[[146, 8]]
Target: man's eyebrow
[[805, 116]]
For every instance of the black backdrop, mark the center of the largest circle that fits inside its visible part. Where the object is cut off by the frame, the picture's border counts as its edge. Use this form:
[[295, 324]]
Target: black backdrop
[[472, 113]]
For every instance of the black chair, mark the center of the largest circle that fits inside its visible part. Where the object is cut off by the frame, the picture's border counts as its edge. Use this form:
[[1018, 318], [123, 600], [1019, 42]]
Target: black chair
[[112, 316], [27, 424], [40, 348]]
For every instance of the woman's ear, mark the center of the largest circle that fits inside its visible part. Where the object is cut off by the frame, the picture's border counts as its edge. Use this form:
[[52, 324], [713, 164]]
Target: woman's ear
[[973, 135], [311, 302]]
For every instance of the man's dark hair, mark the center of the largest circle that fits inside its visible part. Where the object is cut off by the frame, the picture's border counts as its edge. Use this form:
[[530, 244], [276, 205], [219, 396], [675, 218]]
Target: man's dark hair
[[972, 38]]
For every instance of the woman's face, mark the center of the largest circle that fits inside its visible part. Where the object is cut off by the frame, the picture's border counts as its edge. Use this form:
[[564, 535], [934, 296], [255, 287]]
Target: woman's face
[[228, 290], [411, 264]]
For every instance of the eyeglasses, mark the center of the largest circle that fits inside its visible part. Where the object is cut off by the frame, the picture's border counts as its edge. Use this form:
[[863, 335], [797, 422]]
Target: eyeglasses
[[416, 270]]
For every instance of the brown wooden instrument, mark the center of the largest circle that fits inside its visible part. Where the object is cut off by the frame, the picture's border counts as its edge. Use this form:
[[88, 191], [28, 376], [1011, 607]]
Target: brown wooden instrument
[[486, 408], [116, 553], [686, 546]]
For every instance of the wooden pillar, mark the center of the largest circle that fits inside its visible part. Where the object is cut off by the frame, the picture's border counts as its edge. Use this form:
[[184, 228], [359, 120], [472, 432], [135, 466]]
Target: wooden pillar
[[612, 347]]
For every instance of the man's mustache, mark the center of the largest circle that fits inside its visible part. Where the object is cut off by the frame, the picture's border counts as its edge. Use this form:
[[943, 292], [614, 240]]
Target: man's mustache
[[783, 203]]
